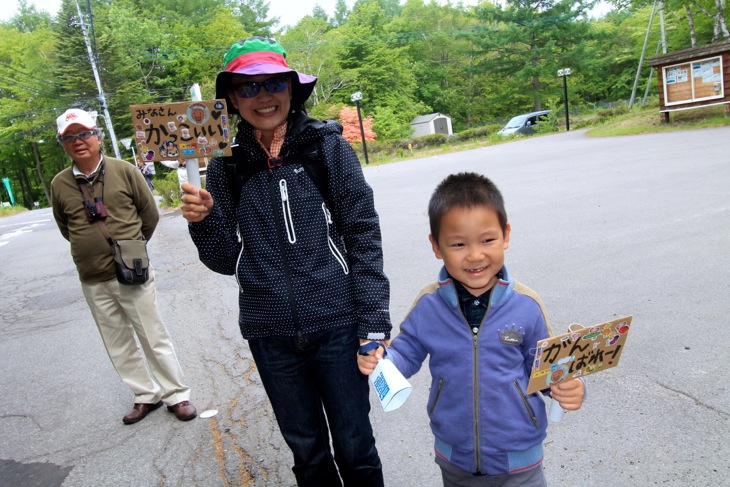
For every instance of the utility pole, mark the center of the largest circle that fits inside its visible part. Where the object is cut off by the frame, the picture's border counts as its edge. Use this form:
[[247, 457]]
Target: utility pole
[[643, 52], [663, 44], [663, 27], [102, 97]]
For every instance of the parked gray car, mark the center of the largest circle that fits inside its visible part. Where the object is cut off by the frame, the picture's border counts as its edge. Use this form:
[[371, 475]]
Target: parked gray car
[[525, 123]]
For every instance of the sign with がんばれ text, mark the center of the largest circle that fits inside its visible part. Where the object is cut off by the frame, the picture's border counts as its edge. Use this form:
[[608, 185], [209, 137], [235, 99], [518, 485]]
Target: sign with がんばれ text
[[580, 352], [186, 130]]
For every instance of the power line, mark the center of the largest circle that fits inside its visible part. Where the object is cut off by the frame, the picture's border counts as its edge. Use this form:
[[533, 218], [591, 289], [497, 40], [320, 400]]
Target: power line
[[42, 81]]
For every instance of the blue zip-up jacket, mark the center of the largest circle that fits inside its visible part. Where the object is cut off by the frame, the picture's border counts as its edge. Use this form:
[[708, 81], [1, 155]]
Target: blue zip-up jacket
[[299, 269], [482, 419]]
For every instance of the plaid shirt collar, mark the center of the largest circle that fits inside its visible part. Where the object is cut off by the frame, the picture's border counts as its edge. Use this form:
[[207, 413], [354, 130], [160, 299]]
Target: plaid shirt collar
[[277, 143]]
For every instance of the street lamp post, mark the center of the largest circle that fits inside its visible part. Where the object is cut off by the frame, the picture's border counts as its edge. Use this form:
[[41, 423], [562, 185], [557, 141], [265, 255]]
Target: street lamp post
[[564, 73], [356, 97]]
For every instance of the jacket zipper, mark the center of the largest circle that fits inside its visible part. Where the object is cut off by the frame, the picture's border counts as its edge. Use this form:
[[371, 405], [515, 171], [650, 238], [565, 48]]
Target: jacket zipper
[[240, 253], [333, 248], [286, 211], [438, 394], [238, 260], [526, 403], [475, 384], [274, 191], [477, 440]]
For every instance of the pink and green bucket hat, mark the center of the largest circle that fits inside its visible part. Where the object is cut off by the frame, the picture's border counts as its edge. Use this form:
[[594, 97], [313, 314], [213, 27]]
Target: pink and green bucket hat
[[260, 55]]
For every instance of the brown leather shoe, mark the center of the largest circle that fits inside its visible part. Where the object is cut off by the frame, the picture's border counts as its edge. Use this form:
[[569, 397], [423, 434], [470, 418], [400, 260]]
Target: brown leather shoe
[[139, 412], [184, 411]]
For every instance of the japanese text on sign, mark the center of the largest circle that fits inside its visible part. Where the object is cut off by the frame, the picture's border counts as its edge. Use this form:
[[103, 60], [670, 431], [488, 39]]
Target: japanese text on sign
[[187, 130], [580, 352]]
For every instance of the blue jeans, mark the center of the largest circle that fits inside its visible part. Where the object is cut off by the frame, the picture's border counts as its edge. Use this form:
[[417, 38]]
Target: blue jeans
[[313, 380]]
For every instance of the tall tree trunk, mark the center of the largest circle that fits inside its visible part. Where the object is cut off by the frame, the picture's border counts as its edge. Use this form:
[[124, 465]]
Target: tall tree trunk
[[25, 188], [691, 22], [536, 99], [719, 27], [536, 87], [720, 21], [39, 170]]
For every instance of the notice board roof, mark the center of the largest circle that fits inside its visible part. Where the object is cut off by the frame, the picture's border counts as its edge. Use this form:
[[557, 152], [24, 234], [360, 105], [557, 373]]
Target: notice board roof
[[690, 53]]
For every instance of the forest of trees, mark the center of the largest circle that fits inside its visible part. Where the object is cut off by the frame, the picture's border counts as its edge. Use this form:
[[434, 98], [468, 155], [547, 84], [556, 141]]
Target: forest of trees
[[478, 64]]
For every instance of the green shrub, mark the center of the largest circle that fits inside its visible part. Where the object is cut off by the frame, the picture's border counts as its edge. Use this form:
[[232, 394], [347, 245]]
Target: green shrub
[[324, 111], [168, 187], [550, 124], [478, 132], [430, 140], [612, 112]]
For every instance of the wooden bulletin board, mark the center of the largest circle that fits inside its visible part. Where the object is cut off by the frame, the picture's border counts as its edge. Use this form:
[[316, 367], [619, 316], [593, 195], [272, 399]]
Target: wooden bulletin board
[[678, 83], [707, 77], [693, 81], [187, 130]]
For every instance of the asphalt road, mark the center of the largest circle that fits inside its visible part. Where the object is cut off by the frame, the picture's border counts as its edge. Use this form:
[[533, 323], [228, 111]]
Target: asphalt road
[[601, 227]]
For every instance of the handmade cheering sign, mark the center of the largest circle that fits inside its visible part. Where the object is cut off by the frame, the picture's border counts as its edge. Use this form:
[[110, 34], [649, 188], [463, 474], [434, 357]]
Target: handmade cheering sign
[[580, 352], [187, 130]]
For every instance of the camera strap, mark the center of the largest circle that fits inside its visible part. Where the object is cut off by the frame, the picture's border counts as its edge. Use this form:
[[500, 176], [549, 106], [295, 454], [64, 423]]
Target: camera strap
[[83, 187]]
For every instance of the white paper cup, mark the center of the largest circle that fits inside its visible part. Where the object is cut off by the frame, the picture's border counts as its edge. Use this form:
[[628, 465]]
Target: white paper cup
[[556, 413], [389, 384]]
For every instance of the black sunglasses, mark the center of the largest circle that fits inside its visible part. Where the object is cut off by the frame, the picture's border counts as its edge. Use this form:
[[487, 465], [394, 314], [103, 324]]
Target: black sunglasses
[[71, 137], [249, 89]]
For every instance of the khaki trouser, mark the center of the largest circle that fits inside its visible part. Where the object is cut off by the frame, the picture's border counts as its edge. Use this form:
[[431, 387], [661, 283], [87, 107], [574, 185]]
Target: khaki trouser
[[122, 313]]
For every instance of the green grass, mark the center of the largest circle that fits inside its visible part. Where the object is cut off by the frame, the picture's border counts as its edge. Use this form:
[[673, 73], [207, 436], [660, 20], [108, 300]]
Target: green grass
[[648, 120], [11, 210]]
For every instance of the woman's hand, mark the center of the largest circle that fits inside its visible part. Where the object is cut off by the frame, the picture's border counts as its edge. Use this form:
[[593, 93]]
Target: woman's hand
[[195, 203]]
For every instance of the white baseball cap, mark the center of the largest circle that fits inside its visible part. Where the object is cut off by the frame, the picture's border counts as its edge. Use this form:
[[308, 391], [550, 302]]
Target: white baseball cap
[[75, 116]]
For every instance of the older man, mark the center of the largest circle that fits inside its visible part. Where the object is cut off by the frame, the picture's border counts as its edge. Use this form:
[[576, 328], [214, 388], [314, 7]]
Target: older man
[[116, 193]]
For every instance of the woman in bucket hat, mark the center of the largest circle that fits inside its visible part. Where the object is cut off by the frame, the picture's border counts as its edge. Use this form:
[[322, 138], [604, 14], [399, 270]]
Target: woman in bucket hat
[[302, 236]]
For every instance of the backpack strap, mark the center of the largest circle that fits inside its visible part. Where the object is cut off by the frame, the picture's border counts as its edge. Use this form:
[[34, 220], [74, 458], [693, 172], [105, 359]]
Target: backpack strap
[[238, 171]]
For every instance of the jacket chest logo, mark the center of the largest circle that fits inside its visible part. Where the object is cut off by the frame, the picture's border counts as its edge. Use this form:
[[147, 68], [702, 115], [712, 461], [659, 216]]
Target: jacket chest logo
[[511, 336]]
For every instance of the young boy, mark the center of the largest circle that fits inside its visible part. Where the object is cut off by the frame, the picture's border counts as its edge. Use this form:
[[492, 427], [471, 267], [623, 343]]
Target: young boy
[[479, 327]]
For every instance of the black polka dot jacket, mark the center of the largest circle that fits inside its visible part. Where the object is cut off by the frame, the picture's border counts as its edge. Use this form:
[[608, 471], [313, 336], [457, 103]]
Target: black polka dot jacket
[[304, 261]]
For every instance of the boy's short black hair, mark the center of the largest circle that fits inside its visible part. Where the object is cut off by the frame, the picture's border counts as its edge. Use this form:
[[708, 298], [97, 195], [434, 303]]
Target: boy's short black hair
[[464, 190]]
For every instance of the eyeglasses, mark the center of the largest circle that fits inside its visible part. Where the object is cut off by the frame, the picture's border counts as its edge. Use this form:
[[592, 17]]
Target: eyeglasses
[[249, 89], [72, 137]]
